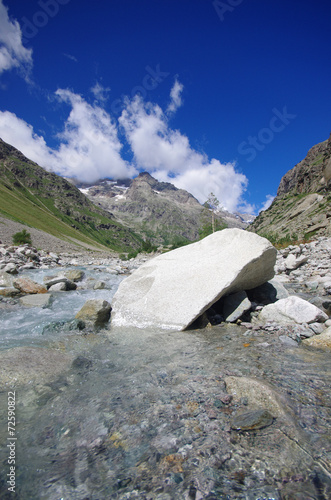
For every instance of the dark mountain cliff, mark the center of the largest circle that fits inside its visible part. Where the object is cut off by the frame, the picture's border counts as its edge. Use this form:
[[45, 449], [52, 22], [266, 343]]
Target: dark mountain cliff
[[302, 207]]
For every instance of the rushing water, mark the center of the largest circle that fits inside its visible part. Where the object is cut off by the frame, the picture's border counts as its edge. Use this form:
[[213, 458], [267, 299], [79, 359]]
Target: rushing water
[[145, 414]]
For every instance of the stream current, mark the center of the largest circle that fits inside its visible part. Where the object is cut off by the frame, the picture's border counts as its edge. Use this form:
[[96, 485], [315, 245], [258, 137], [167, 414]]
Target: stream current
[[146, 414]]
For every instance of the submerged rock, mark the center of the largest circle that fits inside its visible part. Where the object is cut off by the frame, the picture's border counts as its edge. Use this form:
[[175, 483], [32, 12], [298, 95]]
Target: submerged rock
[[252, 420], [26, 364], [172, 290]]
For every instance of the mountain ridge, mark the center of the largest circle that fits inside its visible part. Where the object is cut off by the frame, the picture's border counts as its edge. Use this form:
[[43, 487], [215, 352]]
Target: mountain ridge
[[301, 210], [156, 210]]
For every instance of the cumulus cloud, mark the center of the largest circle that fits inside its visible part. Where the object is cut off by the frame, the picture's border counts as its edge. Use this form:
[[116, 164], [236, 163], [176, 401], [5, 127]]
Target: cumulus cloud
[[12, 52], [89, 145], [168, 155], [90, 148], [176, 98]]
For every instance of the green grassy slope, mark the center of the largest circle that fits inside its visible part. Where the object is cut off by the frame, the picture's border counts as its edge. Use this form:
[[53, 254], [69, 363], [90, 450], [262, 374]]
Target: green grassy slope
[[40, 199]]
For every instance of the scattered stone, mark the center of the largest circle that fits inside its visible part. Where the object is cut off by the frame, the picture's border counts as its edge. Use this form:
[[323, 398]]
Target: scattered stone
[[27, 285], [99, 285], [252, 420], [70, 285], [95, 312], [11, 268], [74, 275], [172, 290]]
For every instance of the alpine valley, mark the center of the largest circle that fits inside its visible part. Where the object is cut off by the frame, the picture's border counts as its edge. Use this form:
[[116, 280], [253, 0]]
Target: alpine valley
[[122, 216]]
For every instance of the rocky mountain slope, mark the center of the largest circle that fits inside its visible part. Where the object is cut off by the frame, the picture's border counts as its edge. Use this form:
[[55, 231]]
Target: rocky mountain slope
[[302, 207], [156, 210], [39, 199]]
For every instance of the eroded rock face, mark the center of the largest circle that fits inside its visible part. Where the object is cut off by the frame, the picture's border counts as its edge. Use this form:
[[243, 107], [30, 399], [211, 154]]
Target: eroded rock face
[[174, 289]]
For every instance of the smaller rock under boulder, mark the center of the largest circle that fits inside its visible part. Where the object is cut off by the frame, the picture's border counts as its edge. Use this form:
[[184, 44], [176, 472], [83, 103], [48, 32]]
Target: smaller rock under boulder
[[95, 312], [235, 305]]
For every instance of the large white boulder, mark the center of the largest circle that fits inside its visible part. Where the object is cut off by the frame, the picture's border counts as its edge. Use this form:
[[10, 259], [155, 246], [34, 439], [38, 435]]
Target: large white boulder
[[175, 288]]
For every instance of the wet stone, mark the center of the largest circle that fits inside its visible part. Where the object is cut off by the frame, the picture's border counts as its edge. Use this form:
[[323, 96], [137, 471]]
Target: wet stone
[[252, 420]]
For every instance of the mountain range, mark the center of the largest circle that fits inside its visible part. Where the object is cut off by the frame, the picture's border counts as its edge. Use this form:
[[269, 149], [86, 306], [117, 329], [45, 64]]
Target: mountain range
[[117, 215], [126, 215], [156, 210]]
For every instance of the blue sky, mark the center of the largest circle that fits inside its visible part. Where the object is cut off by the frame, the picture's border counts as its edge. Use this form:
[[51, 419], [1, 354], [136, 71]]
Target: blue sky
[[222, 96]]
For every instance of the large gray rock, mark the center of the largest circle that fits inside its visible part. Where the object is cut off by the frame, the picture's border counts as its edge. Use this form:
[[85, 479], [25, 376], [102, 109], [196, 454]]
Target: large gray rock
[[292, 310], [37, 300], [174, 289]]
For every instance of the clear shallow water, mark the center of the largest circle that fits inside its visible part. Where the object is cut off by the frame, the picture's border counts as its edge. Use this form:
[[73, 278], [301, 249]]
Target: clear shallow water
[[144, 414]]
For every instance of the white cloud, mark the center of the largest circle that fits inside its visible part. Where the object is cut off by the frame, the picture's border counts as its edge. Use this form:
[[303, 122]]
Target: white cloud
[[100, 92], [269, 199], [19, 134], [176, 98], [12, 52], [89, 148], [167, 154]]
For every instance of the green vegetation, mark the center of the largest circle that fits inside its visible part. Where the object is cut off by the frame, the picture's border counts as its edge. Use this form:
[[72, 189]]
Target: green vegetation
[[22, 238], [40, 199], [284, 241]]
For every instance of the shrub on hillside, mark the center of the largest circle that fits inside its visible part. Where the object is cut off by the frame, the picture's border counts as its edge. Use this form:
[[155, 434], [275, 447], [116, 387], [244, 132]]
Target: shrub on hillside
[[22, 238]]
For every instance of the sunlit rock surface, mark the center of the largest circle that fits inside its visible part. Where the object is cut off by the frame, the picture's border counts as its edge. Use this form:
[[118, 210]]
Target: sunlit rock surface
[[174, 289]]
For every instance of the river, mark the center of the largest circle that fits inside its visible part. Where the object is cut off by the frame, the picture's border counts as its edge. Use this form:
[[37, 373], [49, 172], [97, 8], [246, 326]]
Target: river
[[146, 414]]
